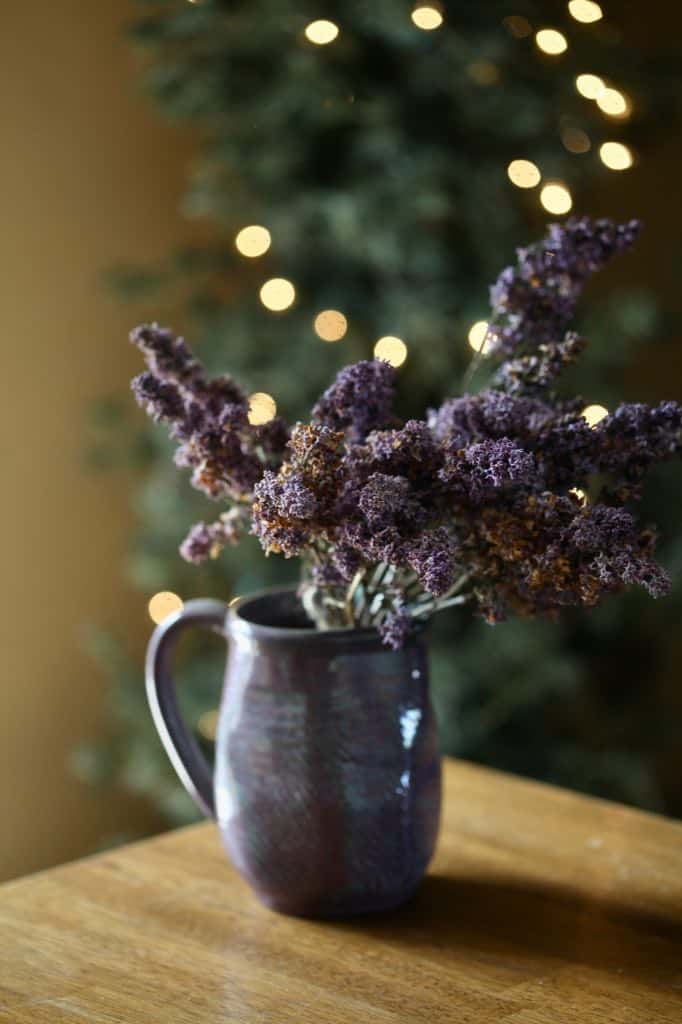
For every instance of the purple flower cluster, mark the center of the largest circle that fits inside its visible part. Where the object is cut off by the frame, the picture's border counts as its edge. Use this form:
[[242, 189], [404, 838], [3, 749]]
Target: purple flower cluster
[[208, 419], [207, 540], [475, 502], [360, 399], [396, 627], [545, 551], [534, 302]]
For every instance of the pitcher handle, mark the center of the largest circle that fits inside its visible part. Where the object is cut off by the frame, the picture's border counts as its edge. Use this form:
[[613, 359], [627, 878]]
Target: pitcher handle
[[181, 747]]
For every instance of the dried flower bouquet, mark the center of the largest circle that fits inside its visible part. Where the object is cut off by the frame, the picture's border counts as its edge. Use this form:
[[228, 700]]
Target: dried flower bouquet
[[508, 499]]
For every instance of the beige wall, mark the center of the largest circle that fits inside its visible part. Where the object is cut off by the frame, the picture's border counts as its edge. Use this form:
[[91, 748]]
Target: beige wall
[[88, 177]]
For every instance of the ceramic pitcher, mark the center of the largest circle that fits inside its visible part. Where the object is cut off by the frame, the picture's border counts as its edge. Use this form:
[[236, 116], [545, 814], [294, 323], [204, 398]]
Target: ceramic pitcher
[[327, 781]]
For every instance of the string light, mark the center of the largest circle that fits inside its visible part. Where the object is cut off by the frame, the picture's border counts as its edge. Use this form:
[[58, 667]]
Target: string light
[[427, 18], [330, 325], [579, 493], [163, 604], [585, 10], [613, 103], [576, 140], [551, 41], [253, 241], [616, 156], [590, 86], [478, 337], [391, 350], [523, 173], [277, 294], [556, 198], [262, 408], [207, 725], [593, 414], [518, 26], [321, 32], [483, 72]]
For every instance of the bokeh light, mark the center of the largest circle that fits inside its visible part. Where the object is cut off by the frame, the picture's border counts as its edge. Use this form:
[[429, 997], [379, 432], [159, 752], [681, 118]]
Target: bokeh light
[[590, 86], [262, 408], [277, 294], [163, 604], [207, 726], [585, 10], [556, 198], [518, 26], [551, 41], [330, 325], [478, 337], [575, 140], [616, 156], [593, 414], [427, 18], [321, 32], [613, 102], [392, 350], [253, 241], [523, 173], [483, 72]]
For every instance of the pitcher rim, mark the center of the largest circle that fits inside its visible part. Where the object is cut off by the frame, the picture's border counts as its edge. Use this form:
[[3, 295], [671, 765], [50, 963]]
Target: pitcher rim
[[349, 635]]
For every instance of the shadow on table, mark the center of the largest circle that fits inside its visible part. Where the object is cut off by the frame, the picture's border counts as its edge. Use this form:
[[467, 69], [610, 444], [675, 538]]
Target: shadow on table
[[510, 922]]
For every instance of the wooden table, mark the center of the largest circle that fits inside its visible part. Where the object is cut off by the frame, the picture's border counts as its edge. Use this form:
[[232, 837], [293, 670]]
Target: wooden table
[[541, 906]]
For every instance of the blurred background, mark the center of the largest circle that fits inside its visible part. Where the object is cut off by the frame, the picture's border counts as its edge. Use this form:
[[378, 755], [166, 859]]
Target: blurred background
[[385, 159]]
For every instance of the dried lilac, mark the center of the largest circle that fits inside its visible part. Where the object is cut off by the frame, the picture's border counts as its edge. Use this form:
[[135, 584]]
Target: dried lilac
[[634, 437], [160, 400], [387, 501], [476, 502], [359, 400], [281, 509], [396, 627], [432, 556], [168, 357], [534, 302], [478, 471], [207, 541], [533, 374]]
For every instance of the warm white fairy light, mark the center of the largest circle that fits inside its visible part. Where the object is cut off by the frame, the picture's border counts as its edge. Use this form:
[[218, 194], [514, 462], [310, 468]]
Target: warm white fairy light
[[590, 86], [207, 726], [616, 156], [593, 414], [576, 140], [163, 604], [253, 240], [586, 11], [518, 26], [330, 325], [478, 337], [483, 72], [392, 350], [523, 173], [321, 32], [579, 493], [427, 18], [551, 41], [277, 294], [613, 102], [262, 408], [556, 198]]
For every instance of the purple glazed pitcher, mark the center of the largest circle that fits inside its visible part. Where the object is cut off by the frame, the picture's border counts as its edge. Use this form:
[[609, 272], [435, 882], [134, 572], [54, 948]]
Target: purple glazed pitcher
[[326, 786]]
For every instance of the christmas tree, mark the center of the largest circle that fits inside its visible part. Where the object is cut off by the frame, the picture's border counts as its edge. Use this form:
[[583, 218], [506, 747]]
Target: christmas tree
[[366, 169]]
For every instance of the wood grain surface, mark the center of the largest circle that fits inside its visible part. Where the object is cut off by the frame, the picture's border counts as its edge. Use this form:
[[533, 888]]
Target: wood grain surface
[[540, 906]]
